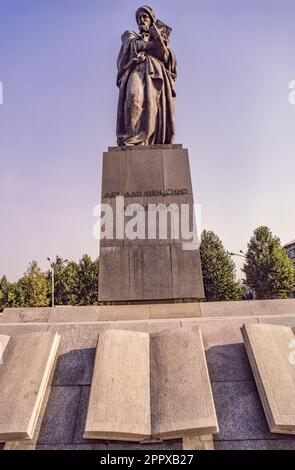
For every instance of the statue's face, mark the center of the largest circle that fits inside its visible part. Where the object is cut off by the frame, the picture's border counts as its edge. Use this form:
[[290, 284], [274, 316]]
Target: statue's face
[[144, 21]]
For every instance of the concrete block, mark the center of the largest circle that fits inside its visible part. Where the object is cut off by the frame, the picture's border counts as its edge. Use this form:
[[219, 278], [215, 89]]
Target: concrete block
[[139, 270], [70, 314], [268, 349], [219, 332], [114, 268], [4, 340], [281, 320], [198, 443], [119, 405], [76, 336], [177, 310], [145, 169], [181, 397], [124, 312], [176, 169], [25, 315], [24, 376], [20, 329], [114, 170], [273, 307], [226, 309], [150, 272], [150, 386], [186, 274]]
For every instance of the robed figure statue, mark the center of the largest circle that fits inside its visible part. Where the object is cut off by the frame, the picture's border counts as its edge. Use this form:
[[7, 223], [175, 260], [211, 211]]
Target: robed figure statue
[[146, 76]]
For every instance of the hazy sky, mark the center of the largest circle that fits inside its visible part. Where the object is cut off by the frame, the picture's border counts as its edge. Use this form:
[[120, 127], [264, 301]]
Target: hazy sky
[[58, 69]]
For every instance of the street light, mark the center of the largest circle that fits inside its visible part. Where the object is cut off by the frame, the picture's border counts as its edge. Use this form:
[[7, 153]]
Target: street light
[[52, 282], [52, 278]]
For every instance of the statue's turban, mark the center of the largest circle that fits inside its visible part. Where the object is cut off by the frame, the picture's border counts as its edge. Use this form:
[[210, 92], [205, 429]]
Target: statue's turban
[[148, 10]]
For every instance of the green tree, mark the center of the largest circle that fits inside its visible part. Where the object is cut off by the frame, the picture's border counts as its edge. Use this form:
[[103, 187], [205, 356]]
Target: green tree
[[33, 288], [65, 282], [219, 271], [75, 283], [11, 294], [87, 287], [269, 271]]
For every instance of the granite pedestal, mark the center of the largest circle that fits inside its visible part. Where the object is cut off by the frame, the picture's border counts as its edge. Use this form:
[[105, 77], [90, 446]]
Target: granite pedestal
[[157, 262]]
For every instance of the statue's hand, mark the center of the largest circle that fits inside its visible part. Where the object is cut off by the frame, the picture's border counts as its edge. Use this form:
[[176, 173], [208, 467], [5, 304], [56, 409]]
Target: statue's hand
[[154, 33]]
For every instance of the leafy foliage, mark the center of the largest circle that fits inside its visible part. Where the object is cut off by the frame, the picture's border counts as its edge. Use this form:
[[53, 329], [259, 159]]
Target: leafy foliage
[[75, 284], [269, 271], [219, 271]]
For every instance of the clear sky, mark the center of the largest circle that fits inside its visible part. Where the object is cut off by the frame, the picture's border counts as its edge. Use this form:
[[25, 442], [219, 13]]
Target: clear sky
[[58, 69]]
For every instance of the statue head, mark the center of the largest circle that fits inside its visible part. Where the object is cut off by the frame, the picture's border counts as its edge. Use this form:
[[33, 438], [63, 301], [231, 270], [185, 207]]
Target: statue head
[[145, 17]]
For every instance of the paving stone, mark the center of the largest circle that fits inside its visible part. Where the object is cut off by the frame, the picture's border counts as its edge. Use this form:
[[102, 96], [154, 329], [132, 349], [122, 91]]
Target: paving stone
[[165, 445], [268, 348], [198, 442], [228, 363], [81, 419], [274, 444], [24, 375], [72, 447], [60, 416], [75, 367], [239, 412], [76, 336]]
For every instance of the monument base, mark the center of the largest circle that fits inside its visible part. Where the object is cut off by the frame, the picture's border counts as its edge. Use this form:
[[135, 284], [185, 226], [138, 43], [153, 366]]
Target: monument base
[[152, 253]]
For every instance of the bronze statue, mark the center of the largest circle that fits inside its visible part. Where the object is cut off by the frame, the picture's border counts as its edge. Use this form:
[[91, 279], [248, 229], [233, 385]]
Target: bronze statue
[[146, 76]]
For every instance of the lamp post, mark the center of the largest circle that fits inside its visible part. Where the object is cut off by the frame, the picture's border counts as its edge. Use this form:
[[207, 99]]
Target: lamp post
[[52, 278], [52, 281]]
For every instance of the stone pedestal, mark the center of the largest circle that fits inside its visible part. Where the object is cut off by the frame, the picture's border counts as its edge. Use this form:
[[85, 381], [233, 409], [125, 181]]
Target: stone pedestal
[[149, 265]]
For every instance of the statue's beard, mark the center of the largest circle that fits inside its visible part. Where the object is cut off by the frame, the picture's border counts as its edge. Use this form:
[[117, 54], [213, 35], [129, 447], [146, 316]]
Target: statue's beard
[[143, 28]]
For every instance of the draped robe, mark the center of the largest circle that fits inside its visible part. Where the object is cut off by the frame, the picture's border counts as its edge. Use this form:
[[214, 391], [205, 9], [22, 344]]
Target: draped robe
[[146, 95]]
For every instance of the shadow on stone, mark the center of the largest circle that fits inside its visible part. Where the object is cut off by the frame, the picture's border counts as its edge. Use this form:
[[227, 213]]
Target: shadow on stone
[[228, 363], [74, 368]]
